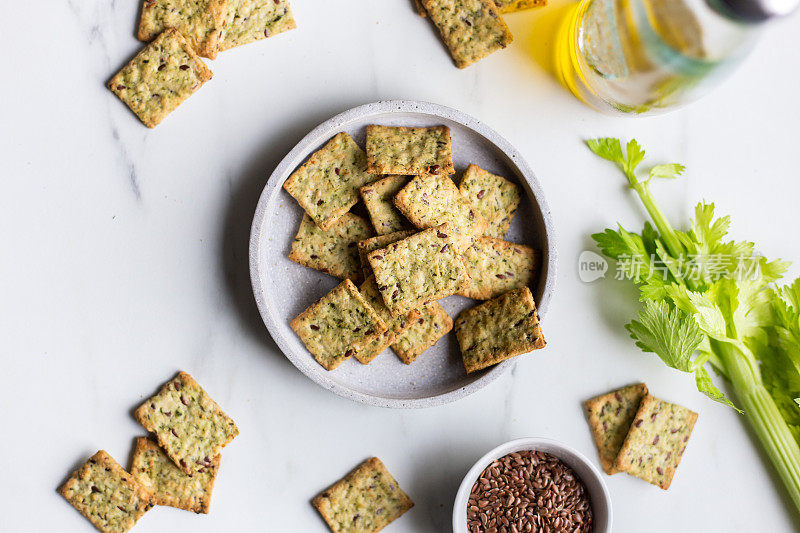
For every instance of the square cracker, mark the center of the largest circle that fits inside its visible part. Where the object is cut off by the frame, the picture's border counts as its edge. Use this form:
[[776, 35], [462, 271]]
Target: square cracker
[[432, 324], [656, 441], [428, 201], [610, 416], [471, 29], [509, 6], [170, 486], [334, 251], [338, 325], [108, 496], [327, 185], [200, 21], [252, 20], [420, 269], [189, 425], [496, 266], [378, 199], [375, 243], [395, 325], [496, 198], [365, 501], [164, 74], [499, 329], [408, 150]]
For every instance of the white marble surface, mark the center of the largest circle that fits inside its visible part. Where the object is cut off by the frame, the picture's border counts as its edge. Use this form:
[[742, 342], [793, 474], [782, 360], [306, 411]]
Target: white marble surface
[[123, 259]]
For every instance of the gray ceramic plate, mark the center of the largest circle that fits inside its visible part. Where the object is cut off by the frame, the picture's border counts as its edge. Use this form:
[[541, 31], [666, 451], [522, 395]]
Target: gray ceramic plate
[[283, 289]]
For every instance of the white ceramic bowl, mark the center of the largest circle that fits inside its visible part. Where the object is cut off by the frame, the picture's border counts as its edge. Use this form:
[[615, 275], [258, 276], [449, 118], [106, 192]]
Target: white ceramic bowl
[[589, 475]]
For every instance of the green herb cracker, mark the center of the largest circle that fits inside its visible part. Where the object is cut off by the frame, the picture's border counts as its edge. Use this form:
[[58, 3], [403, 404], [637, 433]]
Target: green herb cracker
[[251, 20], [610, 417], [656, 441], [432, 324], [327, 185], [499, 329], [406, 150], [496, 266], [338, 325], [496, 198], [106, 494], [471, 29], [428, 201], [200, 21], [375, 243], [377, 197], [170, 486], [420, 269], [365, 501], [509, 6], [395, 325], [334, 251], [164, 74], [189, 425]]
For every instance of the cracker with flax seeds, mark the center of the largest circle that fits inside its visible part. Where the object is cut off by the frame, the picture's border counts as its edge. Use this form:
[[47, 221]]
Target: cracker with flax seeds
[[409, 150], [610, 416], [429, 200], [496, 266], [510, 6], [170, 486], [340, 324], [188, 424], [252, 20], [471, 29], [655, 443], [499, 329], [496, 198], [109, 497], [420, 269], [327, 185], [395, 325], [377, 198], [164, 74], [365, 501], [375, 243], [335, 251], [432, 324], [200, 21]]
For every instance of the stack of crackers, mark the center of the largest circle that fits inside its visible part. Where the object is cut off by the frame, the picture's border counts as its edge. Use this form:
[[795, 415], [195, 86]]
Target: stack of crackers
[[176, 469], [168, 70], [425, 239], [473, 29], [639, 434]]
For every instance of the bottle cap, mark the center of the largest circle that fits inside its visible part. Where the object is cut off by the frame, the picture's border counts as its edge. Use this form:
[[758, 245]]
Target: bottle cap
[[754, 10]]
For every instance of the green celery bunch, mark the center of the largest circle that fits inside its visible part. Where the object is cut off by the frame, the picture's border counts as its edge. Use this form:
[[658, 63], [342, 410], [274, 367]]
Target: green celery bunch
[[711, 302]]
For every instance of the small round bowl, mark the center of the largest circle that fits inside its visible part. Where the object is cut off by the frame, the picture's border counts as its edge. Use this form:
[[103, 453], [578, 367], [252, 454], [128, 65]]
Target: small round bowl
[[589, 475]]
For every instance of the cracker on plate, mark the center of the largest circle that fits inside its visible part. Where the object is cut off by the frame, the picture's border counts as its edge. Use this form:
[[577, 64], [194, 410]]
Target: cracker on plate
[[164, 74], [420, 269], [429, 200], [610, 416], [374, 243], [251, 20], [420, 10], [499, 329], [509, 6], [327, 185], [189, 425], [378, 196], [471, 29], [496, 266], [496, 198], [395, 325], [335, 251], [409, 150], [170, 486], [108, 496], [365, 501], [200, 21], [656, 441], [338, 325], [432, 324]]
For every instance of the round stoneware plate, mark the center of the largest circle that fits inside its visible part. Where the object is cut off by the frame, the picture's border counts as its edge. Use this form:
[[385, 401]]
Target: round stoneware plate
[[283, 289]]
